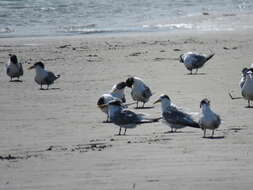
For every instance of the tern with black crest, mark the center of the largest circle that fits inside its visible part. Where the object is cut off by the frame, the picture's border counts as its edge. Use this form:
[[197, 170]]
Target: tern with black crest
[[174, 117], [140, 91], [42, 76], [125, 118], [117, 92], [194, 60], [247, 88], [243, 78], [209, 119], [14, 69]]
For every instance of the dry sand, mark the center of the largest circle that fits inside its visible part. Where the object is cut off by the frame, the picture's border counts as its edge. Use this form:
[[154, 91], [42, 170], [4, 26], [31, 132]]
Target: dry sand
[[55, 139]]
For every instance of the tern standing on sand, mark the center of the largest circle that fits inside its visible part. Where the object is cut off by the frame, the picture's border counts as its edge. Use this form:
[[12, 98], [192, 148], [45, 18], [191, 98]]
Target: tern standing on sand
[[243, 78], [42, 76], [125, 118], [208, 119], [194, 60], [117, 92], [140, 91], [14, 69], [247, 88], [173, 116]]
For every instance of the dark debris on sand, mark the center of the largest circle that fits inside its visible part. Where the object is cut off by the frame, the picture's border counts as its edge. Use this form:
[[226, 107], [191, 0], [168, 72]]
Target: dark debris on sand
[[80, 147]]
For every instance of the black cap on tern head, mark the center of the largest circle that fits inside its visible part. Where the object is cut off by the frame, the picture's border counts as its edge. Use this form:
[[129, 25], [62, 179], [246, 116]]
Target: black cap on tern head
[[13, 58], [130, 81], [121, 85], [245, 70], [204, 101], [164, 96], [40, 64], [101, 101], [250, 69], [115, 103]]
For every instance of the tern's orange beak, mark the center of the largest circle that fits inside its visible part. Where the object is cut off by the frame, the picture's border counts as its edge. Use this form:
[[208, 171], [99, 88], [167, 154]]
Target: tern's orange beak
[[32, 67], [101, 106], [157, 101]]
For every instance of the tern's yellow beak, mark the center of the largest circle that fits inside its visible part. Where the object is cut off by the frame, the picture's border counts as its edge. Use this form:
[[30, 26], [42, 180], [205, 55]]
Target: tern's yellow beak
[[32, 67], [101, 106], [157, 101]]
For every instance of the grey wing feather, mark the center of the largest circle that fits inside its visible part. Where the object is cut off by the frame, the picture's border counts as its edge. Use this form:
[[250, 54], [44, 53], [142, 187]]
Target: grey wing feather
[[177, 117], [50, 78], [147, 92], [8, 71], [218, 120], [126, 117], [123, 99], [197, 60], [21, 71]]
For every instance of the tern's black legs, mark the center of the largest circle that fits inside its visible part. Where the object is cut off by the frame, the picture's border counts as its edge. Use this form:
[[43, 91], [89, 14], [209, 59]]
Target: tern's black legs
[[204, 136], [125, 131], [120, 131]]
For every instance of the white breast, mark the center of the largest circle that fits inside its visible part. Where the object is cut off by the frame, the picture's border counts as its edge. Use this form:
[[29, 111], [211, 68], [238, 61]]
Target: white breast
[[41, 74], [13, 69]]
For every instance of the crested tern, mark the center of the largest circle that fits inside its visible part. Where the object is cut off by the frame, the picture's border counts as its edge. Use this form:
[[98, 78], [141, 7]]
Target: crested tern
[[194, 60], [209, 119], [247, 88], [140, 91], [125, 118], [42, 76], [14, 69], [243, 78], [173, 116], [117, 92]]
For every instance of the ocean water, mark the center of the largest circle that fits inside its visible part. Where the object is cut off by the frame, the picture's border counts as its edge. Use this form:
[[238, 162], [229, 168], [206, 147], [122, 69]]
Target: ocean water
[[75, 17]]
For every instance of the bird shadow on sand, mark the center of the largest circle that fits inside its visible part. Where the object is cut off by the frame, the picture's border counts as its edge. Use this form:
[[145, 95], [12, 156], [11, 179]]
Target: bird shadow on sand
[[172, 132], [49, 89], [216, 137], [143, 108], [128, 135], [249, 107], [194, 74], [16, 80], [106, 122], [178, 132]]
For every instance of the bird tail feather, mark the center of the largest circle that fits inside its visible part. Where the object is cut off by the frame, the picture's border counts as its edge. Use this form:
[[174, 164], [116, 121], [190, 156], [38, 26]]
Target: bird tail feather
[[195, 125], [150, 120]]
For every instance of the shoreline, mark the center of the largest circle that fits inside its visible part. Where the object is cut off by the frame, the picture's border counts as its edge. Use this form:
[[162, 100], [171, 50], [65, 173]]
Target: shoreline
[[204, 21], [158, 34]]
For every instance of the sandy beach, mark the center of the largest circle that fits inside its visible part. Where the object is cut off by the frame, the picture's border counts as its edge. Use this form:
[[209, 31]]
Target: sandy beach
[[56, 138]]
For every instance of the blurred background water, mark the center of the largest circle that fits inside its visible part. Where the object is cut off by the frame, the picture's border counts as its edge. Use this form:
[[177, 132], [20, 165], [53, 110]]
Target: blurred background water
[[75, 17]]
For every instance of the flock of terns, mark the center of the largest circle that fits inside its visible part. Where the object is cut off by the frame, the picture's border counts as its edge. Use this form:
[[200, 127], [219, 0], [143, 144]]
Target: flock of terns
[[114, 105], [14, 69]]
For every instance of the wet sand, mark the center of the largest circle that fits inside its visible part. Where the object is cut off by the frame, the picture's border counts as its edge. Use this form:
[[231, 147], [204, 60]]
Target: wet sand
[[55, 139]]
